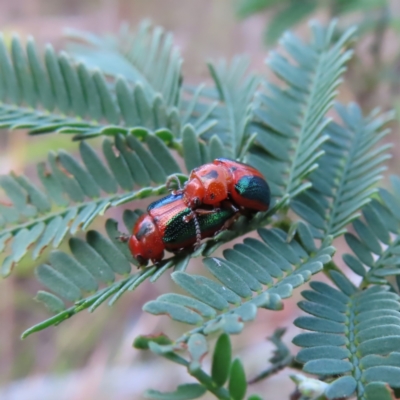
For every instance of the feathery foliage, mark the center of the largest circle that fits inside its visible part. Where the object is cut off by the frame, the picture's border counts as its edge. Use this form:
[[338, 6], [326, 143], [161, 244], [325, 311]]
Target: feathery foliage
[[351, 165], [235, 91], [354, 333], [61, 276], [92, 268], [225, 117], [290, 121], [147, 55], [377, 243], [54, 93], [253, 274], [136, 165], [75, 194], [129, 86]]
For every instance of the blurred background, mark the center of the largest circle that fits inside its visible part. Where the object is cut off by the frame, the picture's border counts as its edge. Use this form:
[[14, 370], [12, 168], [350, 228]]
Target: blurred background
[[91, 356]]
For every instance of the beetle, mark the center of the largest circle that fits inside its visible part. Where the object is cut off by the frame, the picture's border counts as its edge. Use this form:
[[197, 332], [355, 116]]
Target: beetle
[[171, 225], [238, 184]]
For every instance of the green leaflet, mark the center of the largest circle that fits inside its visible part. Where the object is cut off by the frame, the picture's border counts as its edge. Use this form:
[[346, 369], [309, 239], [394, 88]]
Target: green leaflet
[[221, 360], [347, 172], [342, 387], [126, 56], [99, 259], [376, 253], [290, 123], [183, 392], [75, 98], [245, 284], [129, 162], [82, 192], [157, 100], [364, 350], [81, 273], [283, 131], [237, 381], [236, 92], [223, 368]]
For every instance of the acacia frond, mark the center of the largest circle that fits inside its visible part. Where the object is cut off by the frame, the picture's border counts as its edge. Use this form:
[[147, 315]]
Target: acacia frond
[[355, 334], [60, 275], [376, 245], [254, 274], [235, 91], [73, 195], [92, 268], [57, 94], [290, 121], [350, 167], [147, 55]]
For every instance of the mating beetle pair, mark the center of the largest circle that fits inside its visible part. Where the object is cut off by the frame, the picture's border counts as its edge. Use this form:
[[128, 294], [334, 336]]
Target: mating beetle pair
[[212, 198]]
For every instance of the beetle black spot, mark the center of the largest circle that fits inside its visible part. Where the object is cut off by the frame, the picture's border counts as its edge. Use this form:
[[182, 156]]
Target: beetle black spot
[[212, 196]]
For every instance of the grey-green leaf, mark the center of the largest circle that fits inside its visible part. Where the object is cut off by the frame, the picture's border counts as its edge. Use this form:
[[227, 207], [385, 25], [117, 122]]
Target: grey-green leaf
[[341, 388]]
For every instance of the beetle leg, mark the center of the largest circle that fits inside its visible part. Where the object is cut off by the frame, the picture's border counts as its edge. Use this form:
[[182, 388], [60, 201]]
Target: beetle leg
[[171, 179], [227, 204], [202, 211], [228, 223]]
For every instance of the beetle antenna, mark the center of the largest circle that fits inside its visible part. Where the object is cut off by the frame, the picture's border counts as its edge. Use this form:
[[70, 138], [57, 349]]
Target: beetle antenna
[[198, 231]]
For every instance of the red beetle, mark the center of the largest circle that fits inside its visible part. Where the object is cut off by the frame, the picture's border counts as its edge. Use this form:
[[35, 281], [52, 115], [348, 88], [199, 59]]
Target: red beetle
[[171, 225], [224, 179]]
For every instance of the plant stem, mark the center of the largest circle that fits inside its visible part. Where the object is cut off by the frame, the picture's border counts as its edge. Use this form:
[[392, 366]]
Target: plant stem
[[208, 382]]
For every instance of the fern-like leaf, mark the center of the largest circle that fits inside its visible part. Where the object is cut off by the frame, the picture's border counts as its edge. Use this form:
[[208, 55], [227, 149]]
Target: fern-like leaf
[[376, 245], [351, 165], [235, 91], [92, 267], [270, 268], [290, 121], [146, 55], [149, 58], [75, 194], [57, 94], [60, 276], [354, 333]]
